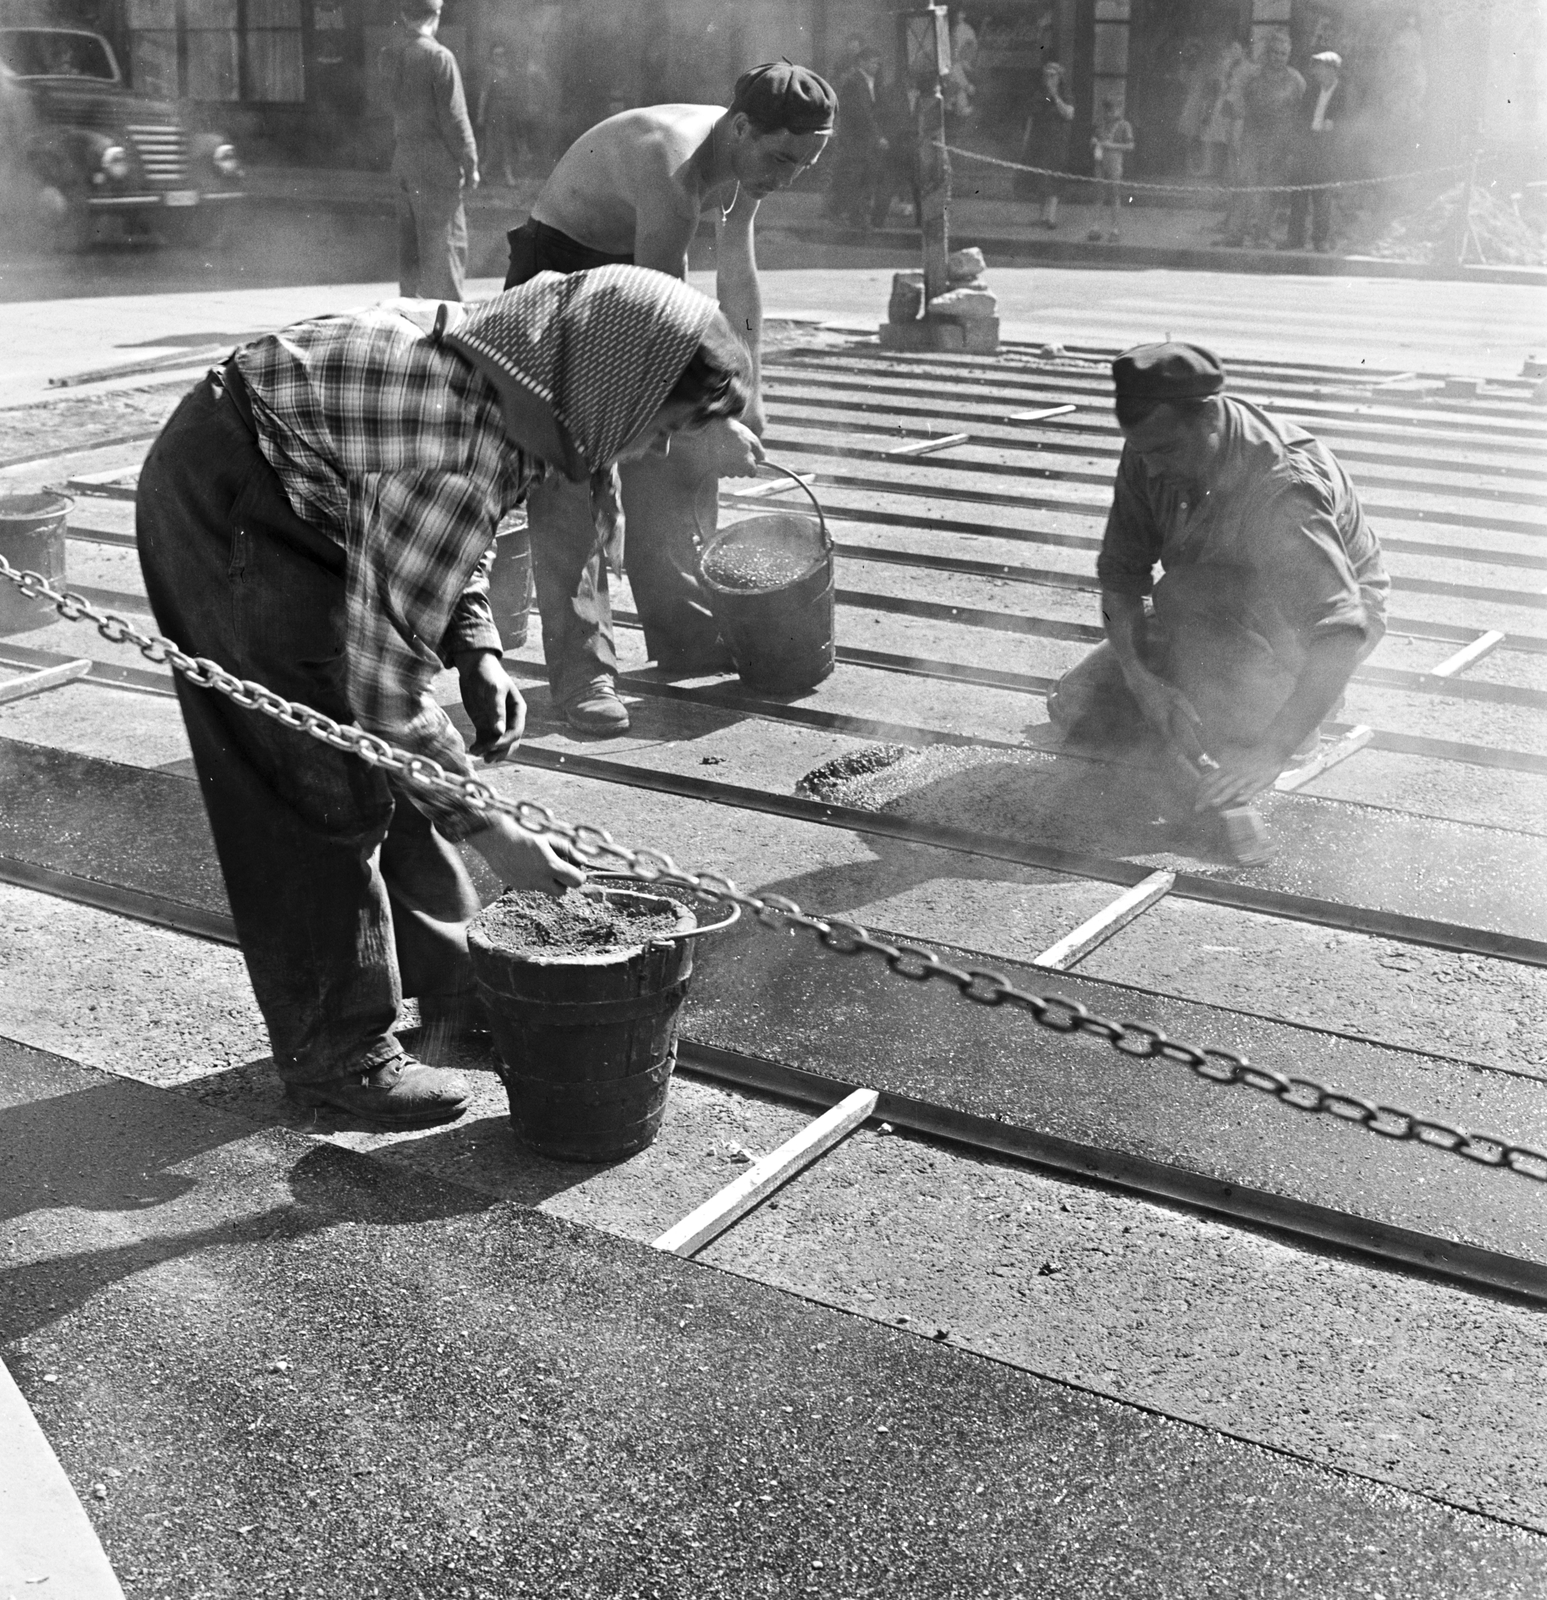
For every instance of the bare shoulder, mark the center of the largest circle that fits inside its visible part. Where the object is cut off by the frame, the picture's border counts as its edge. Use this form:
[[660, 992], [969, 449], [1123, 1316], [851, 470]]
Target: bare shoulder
[[655, 145]]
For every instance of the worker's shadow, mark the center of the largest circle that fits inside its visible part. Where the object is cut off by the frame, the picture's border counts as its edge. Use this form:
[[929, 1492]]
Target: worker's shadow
[[179, 1179]]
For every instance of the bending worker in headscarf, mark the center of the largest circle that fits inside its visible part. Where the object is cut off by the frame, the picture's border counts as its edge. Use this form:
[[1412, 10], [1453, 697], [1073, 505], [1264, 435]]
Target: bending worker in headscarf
[[1272, 590], [318, 516], [633, 189]]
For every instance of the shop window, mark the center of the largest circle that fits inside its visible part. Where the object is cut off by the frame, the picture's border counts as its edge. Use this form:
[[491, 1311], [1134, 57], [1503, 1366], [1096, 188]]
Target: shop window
[[212, 71], [276, 70], [153, 47]]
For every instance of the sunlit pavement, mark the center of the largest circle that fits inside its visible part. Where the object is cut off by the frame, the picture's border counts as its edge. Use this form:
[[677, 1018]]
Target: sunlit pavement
[[1481, 330]]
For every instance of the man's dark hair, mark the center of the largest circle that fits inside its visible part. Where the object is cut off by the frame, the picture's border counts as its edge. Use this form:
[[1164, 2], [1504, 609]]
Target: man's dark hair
[[717, 381], [1133, 409], [783, 98]]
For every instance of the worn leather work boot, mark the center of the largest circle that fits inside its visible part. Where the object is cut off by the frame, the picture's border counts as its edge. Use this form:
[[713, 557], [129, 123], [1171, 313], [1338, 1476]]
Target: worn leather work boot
[[597, 709], [401, 1093]]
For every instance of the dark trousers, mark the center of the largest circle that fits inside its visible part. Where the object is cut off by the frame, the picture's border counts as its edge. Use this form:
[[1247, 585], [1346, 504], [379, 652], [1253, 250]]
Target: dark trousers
[[1314, 166], [431, 242], [670, 507], [345, 898]]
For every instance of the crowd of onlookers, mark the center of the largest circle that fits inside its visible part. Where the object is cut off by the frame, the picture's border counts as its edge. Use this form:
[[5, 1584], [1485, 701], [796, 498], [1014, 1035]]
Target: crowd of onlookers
[[1238, 117]]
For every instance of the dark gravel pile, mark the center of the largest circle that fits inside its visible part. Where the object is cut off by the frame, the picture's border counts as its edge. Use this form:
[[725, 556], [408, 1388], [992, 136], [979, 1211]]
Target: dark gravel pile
[[750, 566], [524, 920], [827, 779]]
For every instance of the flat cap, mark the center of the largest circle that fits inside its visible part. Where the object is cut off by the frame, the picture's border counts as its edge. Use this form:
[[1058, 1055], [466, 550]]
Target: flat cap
[[780, 96], [1167, 372]]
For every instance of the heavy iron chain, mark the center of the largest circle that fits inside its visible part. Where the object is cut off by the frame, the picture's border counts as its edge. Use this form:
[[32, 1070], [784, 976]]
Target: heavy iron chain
[[840, 935]]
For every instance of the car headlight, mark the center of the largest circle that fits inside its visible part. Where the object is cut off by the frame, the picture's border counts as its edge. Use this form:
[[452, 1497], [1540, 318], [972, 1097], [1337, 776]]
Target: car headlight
[[224, 158], [115, 161]]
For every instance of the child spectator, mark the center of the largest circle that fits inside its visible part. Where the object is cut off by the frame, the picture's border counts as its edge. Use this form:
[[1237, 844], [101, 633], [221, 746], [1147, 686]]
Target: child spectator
[[1111, 141]]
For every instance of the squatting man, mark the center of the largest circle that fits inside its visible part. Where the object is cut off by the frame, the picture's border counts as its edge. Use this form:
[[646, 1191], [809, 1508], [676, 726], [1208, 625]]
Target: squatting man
[[319, 515], [1272, 588]]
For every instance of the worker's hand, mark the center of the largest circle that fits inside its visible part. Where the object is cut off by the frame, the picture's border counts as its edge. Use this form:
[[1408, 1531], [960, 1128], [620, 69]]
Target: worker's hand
[[1238, 777], [522, 860], [493, 702], [730, 449]]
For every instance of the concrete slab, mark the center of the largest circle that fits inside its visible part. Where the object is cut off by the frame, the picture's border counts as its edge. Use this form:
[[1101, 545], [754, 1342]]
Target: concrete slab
[[315, 1376], [1081, 1106]]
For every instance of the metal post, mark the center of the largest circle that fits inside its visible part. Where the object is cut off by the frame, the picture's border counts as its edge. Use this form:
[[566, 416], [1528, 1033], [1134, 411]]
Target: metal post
[[934, 191]]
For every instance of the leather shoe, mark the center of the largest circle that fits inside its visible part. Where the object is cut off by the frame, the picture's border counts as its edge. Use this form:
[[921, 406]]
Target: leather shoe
[[401, 1093], [597, 709]]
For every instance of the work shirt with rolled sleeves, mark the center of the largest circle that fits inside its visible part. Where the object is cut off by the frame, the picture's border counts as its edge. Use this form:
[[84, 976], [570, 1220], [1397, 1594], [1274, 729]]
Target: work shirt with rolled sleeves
[[395, 447], [1277, 532]]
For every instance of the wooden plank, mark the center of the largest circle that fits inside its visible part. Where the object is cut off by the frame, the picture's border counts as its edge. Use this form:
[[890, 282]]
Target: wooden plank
[[46, 678], [1330, 755], [717, 1213], [1074, 947], [1042, 415], [927, 447], [1484, 644]]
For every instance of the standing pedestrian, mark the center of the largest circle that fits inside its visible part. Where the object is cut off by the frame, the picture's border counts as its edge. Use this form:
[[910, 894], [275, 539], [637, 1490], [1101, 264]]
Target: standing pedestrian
[[1318, 153], [499, 117], [1110, 143], [1270, 103], [1045, 143], [435, 158], [897, 115], [634, 188], [861, 146]]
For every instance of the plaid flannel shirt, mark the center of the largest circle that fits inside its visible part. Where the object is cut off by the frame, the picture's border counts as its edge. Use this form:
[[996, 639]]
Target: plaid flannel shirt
[[396, 448]]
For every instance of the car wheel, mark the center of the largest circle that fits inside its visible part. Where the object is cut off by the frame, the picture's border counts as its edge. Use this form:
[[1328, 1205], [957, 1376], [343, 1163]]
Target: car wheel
[[65, 221]]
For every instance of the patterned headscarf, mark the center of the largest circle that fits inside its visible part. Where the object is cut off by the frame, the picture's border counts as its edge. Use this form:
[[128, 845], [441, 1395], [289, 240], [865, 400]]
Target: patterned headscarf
[[583, 360]]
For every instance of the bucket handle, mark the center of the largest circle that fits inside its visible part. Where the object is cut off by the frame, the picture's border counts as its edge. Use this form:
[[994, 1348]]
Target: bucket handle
[[617, 878], [805, 488]]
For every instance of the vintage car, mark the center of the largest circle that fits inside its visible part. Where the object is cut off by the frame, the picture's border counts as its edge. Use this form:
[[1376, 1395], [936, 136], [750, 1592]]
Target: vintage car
[[92, 149]]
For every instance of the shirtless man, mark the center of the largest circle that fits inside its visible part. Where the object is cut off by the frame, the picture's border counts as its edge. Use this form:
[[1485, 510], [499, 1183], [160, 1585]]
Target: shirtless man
[[633, 189]]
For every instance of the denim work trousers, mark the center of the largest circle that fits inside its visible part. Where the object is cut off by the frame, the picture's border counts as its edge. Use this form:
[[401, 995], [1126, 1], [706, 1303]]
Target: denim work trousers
[[670, 506], [344, 896], [431, 242]]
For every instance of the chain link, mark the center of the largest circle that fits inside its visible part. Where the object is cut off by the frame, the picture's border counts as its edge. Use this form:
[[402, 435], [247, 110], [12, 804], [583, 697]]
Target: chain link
[[842, 936]]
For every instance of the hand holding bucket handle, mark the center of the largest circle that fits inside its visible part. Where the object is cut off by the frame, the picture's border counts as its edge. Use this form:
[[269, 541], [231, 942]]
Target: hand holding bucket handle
[[806, 489]]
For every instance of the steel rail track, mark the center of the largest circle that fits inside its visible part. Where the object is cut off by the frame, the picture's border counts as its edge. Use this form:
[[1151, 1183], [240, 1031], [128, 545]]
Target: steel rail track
[[1407, 1248], [1052, 578], [1478, 755], [1000, 469], [1074, 541], [1032, 626], [1304, 1221], [1371, 922], [1520, 423], [1087, 441], [1331, 423]]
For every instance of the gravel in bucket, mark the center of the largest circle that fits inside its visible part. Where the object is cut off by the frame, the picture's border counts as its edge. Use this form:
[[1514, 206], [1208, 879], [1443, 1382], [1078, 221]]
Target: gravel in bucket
[[527, 921], [764, 556]]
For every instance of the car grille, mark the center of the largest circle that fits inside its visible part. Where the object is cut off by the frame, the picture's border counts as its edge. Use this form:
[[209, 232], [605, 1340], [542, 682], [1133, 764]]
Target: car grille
[[163, 153]]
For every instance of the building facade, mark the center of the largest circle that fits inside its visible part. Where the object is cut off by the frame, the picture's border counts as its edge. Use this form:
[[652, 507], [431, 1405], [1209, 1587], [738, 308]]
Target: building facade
[[296, 79]]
